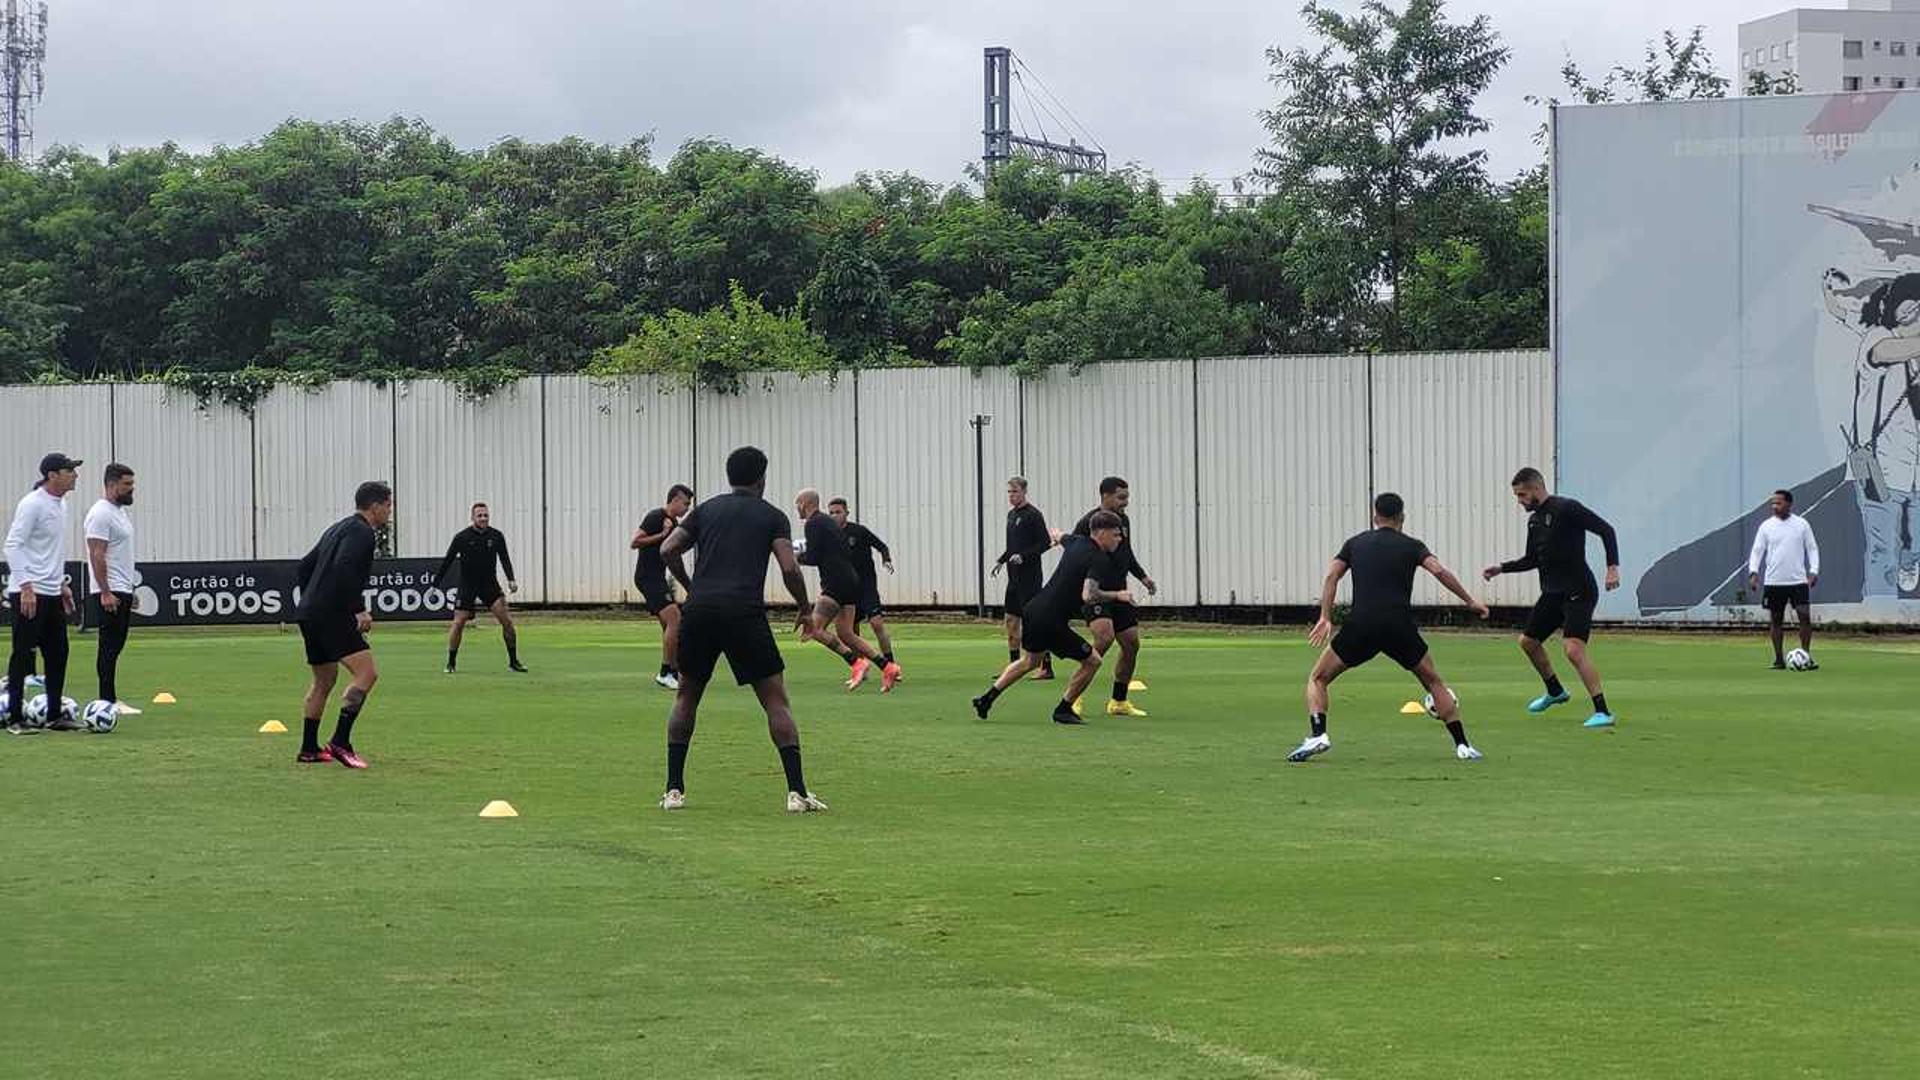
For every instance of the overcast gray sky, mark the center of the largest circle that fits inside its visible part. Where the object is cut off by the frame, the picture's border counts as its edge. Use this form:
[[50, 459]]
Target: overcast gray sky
[[839, 86]]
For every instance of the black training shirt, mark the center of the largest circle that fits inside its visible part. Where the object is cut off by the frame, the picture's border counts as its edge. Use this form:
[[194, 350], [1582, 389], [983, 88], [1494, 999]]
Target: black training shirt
[[476, 549], [734, 534], [1080, 559], [1027, 538], [1383, 562], [650, 566], [333, 576], [861, 544], [1557, 546], [1122, 561], [827, 548]]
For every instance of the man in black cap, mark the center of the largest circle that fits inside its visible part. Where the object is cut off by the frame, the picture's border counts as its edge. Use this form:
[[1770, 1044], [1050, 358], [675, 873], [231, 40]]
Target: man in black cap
[[37, 588]]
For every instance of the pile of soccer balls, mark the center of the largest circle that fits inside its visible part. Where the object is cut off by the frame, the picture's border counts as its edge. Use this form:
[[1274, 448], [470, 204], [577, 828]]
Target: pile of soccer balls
[[99, 716]]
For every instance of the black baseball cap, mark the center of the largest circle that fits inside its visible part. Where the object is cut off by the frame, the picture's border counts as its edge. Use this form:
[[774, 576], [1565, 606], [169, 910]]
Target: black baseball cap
[[53, 463]]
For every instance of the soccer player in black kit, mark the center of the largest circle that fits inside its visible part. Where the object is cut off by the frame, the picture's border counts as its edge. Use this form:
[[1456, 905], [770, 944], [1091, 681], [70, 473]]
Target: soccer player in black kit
[[332, 612], [1116, 620], [862, 542], [477, 547], [833, 609], [1557, 529], [726, 614], [1383, 561], [1028, 538], [650, 577], [1047, 626]]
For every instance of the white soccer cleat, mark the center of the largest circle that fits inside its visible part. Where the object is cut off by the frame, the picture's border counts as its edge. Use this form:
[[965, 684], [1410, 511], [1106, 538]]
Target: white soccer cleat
[[803, 804], [673, 800], [670, 682], [1467, 753], [1312, 747]]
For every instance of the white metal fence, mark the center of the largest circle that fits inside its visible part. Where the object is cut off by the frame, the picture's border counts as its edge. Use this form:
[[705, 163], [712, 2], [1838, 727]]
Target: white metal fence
[[1246, 472]]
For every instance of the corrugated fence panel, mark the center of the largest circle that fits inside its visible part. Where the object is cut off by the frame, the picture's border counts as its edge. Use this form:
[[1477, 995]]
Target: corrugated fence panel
[[917, 487], [454, 452], [193, 471], [314, 450], [1133, 420], [804, 425], [1283, 473], [1450, 429], [613, 451], [72, 420]]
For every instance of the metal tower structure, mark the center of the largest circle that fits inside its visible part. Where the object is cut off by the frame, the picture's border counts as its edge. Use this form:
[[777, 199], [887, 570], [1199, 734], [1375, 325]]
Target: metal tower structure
[[1004, 143], [23, 79]]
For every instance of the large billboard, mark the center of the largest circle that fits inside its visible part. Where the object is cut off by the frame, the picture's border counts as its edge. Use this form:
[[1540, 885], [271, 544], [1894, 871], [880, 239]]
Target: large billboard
[[1737, 309]]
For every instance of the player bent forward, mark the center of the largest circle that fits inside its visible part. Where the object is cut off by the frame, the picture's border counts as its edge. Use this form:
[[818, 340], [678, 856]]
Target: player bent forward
[[1383, 561], [1047, 624]]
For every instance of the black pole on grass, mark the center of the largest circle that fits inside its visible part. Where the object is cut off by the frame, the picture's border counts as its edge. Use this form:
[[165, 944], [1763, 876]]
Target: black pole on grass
[[980, 423]]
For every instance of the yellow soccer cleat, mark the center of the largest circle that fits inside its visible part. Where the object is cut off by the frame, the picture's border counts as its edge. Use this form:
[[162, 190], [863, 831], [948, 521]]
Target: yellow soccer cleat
[[1124, 708]]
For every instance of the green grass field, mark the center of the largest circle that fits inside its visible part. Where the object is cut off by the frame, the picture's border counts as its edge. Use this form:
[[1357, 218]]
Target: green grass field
[[1724, 886]]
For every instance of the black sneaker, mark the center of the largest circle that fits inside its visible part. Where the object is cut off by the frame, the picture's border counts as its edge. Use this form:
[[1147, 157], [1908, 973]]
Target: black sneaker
[[1065, 716], [449, 669], [981, 705], [1812, 664], [515, 665], [1779, 665]]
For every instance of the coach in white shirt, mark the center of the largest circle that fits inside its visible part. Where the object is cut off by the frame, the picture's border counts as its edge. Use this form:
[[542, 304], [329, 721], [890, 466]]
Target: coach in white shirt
[[37, 586], [110, 554], [1785, 549]]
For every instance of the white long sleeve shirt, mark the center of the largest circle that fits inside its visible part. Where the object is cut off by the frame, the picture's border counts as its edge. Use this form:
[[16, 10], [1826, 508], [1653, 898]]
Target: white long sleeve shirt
[[1785, 546], [33, 544]]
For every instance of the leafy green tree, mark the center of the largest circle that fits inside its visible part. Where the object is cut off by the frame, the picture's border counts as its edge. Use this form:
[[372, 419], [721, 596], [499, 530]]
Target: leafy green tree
[[718, 349], [1361, 137]]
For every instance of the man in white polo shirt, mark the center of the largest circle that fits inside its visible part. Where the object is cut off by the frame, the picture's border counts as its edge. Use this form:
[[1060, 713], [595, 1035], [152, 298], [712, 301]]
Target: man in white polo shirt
[[1786, 550], [37, 587], [110, 554]]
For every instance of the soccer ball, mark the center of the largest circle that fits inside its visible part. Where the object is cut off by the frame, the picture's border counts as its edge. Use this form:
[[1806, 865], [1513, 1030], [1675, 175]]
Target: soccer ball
[[102, 716], [35, 684], [35, 712], [1799, 660], [1427, 703], [6, 702]]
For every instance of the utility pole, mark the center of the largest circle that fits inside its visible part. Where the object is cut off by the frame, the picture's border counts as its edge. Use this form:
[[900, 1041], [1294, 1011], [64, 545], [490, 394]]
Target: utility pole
[[1003, 143], [23, 50]]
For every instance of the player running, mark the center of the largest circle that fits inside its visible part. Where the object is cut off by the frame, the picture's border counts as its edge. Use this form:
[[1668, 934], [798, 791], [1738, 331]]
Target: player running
[[1117, 620], [833, 609], [1028, 538], [332, 612], [1383, 561], [477, 547], [650, 577], [1047, 626], [1557, 531], [726, 614], [861, 544], [1784, 549]]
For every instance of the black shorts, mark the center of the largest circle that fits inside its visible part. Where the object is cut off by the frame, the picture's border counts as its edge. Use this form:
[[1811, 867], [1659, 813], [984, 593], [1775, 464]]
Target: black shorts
[[480, 597], [1056, 638], [742, 636], [1359, 642], [1124, 616], [1020, 592], [869, 604], [1571, 613], [332, 638], [1778, 597], [842, 589], [657, 594]]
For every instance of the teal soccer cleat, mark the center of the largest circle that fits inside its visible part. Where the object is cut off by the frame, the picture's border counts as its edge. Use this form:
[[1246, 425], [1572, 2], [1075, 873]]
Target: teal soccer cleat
[[1599, 720], [1547, 701]]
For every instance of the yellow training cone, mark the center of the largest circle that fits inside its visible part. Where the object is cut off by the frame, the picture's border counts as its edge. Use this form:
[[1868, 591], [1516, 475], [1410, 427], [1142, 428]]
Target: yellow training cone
[[1136, 685], [163, 698], [499, 808], [1413, 708], [273, 727]]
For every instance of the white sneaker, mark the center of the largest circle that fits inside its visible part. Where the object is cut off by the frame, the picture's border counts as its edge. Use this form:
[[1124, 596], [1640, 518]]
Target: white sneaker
[[1314, 746], [1910, 578], [803, 804], [673, 800], [1467, 753], [671, 682]]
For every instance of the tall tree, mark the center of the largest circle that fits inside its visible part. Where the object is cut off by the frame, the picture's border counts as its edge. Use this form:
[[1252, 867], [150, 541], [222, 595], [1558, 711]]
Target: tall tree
[[1359, 132]]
